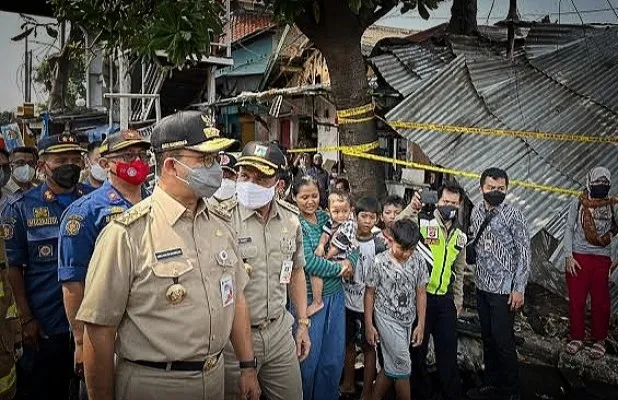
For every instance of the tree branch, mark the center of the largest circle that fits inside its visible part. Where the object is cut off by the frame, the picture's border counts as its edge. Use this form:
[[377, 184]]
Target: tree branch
[[387, 7]]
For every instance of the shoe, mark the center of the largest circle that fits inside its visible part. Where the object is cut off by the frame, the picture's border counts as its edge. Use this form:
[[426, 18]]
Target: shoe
[[484, 393]]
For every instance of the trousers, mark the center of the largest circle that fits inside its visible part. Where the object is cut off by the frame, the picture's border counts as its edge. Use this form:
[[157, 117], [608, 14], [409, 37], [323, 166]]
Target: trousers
[[278, 367], [499, 351], [441, 324], [592, 279]]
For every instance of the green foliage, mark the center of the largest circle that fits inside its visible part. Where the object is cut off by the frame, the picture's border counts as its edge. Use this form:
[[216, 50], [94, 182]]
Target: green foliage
[[44, 75], [181, 28], [288, 10]]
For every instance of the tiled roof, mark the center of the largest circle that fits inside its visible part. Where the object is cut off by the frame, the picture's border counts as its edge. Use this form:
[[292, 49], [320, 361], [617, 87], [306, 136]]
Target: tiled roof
[[245, 24]]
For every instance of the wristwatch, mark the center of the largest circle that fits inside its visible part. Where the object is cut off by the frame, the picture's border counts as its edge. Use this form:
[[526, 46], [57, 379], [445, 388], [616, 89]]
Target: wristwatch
[[304, 321], [249, 364]]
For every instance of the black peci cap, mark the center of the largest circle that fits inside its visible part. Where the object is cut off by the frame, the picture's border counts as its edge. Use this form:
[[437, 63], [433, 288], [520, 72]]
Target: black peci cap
[[265, 157], [189, 130], [227, 161], [62, 143], [122, 140]]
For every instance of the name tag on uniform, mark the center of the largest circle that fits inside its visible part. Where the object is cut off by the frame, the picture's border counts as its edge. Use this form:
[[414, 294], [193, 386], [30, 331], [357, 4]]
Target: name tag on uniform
[[162, 255], [227, 290], [245, 240], [286, 272]]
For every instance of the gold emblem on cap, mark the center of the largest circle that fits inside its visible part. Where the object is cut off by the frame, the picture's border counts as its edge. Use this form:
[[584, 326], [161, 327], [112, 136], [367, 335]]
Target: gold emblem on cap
[[284, 230], [176, 293], [218, 233], [210, 131]]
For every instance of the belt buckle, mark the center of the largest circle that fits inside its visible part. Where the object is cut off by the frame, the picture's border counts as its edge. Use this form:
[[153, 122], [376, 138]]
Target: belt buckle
[[210, 362]]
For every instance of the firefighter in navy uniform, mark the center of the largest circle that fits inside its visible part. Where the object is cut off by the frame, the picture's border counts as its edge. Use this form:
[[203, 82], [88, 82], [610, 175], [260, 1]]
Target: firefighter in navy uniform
[[444, 250], [31, 224]]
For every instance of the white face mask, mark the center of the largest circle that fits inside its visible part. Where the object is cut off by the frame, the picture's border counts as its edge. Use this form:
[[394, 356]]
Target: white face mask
[[254, 196], [227, 189], [98, 172], [24, 174]]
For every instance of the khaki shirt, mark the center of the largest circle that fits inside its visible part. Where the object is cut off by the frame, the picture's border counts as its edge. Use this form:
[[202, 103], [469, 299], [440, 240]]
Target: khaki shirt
[[265, 246], [136, 260]]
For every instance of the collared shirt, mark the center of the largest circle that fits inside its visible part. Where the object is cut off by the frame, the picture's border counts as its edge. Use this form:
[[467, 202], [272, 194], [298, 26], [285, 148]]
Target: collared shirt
[[12, 186], [503, 250], [80, 226], [396, 285], [266, 246], [140, 255], [31, 223]]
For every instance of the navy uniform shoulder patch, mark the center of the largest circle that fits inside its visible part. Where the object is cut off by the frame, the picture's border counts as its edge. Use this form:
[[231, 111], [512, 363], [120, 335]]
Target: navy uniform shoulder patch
[[288, 206], [73, 224], [134, 213]]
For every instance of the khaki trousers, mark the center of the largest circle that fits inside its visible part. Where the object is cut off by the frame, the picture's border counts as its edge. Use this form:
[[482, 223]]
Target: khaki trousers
[[137, 382], [278, 366]]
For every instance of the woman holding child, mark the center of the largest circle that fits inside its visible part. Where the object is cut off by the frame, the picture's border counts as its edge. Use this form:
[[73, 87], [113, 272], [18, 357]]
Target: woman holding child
[[321, 371]]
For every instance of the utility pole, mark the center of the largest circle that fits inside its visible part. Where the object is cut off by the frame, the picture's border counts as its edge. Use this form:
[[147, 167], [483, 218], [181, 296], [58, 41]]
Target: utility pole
[[511, 19], [27, 72]]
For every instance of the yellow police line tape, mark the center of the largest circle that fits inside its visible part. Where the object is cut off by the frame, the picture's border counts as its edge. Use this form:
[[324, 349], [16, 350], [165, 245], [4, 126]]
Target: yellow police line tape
[[348, 121], [503, 132], [361, 148], [354, 112], [361, 151]]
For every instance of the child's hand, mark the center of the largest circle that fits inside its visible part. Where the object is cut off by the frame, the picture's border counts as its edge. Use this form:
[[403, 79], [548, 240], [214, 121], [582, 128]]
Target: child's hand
[[371, 334], [319, 251], [345, 267], [349, 273], [417, 336]]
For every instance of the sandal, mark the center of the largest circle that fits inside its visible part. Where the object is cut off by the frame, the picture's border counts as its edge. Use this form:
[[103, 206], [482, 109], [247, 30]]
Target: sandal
[[597, 351], [574, 347]]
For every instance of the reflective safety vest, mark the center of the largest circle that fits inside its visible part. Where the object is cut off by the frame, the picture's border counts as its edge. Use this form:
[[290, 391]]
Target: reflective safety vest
[[440, 252]]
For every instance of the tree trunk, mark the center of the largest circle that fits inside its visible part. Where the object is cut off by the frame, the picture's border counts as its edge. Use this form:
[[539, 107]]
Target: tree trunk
[[463, 18], [61, 67], [337, 36]]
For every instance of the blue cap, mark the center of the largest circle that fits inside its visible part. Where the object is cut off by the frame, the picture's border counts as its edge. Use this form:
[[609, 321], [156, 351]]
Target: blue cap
[[62, 143]]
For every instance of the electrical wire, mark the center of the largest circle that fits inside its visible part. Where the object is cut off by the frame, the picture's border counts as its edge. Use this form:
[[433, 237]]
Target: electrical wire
[[609, 3], [490, 10]]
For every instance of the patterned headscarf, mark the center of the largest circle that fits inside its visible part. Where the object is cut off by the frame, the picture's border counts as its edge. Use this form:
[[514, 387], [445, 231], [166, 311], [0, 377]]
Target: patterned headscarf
[[597, 173]]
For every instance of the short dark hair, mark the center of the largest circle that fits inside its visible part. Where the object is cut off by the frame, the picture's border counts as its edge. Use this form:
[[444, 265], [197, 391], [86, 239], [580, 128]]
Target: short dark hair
[[394, 200], [92, 146], [367, 204], [26, 150], [344, 182], [339, 195], [405, 233], [451, 187], [495, 173]]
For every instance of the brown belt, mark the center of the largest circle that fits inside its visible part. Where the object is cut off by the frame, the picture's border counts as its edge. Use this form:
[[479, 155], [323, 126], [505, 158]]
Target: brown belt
[[205, 365]]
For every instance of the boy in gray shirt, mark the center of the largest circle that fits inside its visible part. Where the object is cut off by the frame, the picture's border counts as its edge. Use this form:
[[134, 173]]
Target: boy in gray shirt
[[395, 295]]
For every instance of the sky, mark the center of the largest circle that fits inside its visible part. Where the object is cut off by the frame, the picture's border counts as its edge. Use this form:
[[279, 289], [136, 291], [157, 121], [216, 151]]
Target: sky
[[565, 11]]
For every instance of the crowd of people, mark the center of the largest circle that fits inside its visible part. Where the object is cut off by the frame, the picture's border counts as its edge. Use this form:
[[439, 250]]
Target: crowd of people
[[260, 276]]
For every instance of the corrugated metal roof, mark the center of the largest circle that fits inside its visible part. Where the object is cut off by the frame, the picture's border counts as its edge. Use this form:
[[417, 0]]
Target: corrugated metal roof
[[481, 88]]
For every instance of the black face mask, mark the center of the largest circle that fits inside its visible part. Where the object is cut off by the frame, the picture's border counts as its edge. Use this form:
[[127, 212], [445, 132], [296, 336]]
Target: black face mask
[[66, 176], [448, 213], [599, 191], [494, 198]]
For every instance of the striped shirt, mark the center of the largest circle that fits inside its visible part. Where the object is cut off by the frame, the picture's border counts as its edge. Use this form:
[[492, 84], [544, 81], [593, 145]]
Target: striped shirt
[[317, 266]]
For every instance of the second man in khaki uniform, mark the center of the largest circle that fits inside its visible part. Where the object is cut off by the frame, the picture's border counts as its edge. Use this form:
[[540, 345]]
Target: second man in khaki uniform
[[164, 289], [271, 245]]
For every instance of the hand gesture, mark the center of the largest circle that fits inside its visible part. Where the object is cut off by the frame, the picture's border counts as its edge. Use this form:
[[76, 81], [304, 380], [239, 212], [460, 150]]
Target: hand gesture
[[303, 343], [417, 336], [372, 336], [249, 386], [516, 300], [31, 331], [572, 266], [319, 251]]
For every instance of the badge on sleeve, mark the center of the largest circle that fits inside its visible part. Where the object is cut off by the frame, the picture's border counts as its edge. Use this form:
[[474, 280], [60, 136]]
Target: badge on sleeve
[[286, 272], [73, 227], [7, 231], [461, 240], [227, 290]]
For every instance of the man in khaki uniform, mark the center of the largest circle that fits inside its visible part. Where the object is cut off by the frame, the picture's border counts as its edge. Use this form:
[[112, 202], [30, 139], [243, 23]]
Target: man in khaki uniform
[[164, 289], [270, 242]]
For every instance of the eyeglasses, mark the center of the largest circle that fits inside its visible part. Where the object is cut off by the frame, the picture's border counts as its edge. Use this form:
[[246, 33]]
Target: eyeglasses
[[129, 156], [208, 159], [21, 163]]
